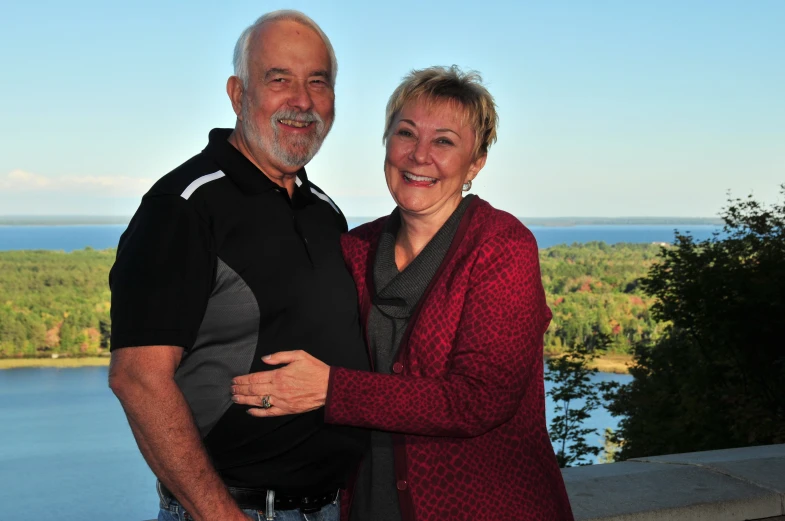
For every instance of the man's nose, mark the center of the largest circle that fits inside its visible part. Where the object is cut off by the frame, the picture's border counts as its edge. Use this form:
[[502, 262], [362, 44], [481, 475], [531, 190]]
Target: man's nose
[[299, 97]]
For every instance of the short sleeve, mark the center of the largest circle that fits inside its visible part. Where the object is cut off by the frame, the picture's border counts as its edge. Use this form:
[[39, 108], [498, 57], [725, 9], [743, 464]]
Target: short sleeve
[[162, 277]]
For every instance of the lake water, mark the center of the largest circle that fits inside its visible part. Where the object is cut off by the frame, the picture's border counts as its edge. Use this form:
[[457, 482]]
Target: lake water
[[66, 450], [67, 453], [69, 238]]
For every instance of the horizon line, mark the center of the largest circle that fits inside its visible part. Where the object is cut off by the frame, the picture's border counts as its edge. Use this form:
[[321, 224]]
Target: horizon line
[[86, 219]]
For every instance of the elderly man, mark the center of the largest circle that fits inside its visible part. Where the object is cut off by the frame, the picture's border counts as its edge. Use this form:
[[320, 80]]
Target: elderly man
[[232, 256]]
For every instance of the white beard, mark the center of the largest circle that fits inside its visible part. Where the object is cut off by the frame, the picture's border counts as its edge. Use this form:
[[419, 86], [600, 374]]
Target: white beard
[[290, 152]]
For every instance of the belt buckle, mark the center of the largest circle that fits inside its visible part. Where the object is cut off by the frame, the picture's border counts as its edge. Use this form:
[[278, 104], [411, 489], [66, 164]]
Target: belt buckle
[[308, 505], [269, 507]]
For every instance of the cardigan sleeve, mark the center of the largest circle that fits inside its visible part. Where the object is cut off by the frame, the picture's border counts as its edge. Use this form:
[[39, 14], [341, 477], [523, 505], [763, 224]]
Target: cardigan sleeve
[[498, 342]]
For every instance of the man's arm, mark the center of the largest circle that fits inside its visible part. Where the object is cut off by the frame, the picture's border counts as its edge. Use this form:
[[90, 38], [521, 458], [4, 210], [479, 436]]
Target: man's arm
[[142, 378]]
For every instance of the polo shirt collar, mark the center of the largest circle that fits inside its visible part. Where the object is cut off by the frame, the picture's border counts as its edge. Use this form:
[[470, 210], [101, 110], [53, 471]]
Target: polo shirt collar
[[243, 172]]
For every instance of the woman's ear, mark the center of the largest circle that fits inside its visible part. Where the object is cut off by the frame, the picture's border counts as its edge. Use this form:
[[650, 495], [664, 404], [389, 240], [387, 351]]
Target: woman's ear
[[476, 166]]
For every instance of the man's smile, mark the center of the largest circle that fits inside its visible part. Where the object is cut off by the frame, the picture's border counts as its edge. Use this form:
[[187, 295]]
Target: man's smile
[[295, 123]]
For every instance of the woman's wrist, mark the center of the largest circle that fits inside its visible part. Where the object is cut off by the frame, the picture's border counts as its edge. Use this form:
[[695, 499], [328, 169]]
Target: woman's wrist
[[328, 394]]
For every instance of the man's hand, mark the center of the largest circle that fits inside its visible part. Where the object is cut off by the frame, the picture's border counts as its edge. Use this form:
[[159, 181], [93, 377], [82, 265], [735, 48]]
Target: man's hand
[[142, 378], [300, 386]]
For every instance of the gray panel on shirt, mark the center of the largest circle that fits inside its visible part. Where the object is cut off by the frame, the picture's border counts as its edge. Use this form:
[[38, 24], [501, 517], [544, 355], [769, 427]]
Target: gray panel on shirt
[[224, 348]]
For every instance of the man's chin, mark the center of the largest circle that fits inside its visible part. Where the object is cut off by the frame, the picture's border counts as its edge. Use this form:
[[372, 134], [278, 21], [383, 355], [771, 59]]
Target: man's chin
[[297, 156]]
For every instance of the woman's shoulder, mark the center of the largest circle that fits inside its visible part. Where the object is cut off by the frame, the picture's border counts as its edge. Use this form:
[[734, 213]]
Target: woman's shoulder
[[365, 232], [489, 223], [357, 241]]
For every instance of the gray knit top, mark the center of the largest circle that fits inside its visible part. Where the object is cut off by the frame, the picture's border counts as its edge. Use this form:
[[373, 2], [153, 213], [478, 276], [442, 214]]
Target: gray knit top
[[396, 295]]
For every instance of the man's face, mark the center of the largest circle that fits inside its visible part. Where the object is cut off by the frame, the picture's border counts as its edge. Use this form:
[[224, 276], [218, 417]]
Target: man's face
[[288, 103]]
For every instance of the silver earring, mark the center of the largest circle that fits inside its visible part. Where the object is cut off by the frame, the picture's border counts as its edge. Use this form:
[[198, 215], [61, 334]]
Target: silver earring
[[467, 186]]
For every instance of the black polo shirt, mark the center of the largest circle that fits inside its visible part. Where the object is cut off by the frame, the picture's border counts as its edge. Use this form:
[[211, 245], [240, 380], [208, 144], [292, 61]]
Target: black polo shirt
[[219, 260]]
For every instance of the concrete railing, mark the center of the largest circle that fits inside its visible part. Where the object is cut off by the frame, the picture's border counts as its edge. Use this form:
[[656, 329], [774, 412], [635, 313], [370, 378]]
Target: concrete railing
[[721, 485]]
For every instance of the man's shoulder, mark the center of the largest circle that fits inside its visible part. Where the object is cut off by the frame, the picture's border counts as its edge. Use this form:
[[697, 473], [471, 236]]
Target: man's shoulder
[[186, 178], [321, 194]]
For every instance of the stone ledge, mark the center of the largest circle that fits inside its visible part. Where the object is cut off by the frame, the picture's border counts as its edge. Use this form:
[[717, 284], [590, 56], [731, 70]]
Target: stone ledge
[[746, 484], [724, 485]]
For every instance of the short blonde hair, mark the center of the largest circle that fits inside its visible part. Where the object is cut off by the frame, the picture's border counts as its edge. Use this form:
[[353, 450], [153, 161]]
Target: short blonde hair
[[453, 85]]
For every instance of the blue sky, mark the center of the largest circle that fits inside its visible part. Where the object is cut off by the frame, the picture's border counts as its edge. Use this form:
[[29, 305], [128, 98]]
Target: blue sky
[[608, 108]]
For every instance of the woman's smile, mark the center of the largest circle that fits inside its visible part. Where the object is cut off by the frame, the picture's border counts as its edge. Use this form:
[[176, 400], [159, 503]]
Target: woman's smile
[[419, 180]]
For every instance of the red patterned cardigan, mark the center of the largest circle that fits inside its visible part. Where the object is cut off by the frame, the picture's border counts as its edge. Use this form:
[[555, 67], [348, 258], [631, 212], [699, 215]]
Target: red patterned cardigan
[[466, 397]]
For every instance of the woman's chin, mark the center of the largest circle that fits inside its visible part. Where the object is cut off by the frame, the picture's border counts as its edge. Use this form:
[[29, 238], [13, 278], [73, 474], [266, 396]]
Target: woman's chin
[[415, 207], [427, 206]]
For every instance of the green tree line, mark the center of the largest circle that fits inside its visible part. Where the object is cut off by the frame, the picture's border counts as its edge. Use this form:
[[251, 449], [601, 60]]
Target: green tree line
[[714, 376], [53, 302], [595, 288]]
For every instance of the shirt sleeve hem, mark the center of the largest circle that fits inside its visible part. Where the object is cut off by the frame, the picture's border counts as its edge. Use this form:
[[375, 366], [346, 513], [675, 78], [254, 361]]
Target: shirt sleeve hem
[[159, 337]]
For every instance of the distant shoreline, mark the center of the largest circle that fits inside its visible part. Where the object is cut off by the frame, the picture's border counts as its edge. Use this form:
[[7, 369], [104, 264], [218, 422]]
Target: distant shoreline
[[610, 363], [566, 222], [63, 220], [102, 220], [618, 364], [87, 361]]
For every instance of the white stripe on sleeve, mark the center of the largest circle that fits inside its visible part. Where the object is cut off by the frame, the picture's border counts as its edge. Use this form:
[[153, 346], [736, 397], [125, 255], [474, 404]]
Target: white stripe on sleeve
[[188, 192], [323, 197]]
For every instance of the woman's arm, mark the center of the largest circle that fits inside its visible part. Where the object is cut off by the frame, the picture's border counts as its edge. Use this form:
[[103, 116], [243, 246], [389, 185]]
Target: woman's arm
[[498, 343]]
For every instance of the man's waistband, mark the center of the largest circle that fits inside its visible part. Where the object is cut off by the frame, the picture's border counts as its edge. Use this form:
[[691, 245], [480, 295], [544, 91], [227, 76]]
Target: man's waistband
[[257, 499]]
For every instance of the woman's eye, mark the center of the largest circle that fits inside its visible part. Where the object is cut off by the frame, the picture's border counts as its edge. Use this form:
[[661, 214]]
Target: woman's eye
[[403, 132], [444, 141]]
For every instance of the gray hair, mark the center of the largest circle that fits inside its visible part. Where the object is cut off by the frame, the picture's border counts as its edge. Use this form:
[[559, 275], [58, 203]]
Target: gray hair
[[241, 47]]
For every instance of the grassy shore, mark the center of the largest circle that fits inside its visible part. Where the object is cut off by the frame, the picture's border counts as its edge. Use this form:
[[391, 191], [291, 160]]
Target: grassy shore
[[618, 364], [610, 363], [16, 363]]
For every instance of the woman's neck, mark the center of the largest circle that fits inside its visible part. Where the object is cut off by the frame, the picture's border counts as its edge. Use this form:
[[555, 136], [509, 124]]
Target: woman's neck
[[416, 232]]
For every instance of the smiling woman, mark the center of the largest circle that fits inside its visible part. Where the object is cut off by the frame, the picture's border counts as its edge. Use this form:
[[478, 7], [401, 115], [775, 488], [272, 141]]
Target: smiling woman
[[454, 312], [430, 158]]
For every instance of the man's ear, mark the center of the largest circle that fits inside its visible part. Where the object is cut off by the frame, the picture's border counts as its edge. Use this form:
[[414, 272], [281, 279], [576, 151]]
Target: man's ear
[[234, 88]]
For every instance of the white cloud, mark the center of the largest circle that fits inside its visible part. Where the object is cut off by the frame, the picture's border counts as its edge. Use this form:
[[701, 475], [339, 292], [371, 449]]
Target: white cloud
[[105, 185]]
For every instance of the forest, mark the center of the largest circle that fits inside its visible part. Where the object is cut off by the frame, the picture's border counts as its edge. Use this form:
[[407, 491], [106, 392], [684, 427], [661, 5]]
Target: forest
[[53, 302], [595, 287], [710, 375]]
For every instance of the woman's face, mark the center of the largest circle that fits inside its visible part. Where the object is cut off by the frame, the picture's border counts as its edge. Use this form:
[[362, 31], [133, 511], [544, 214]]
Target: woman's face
[[429, 158]]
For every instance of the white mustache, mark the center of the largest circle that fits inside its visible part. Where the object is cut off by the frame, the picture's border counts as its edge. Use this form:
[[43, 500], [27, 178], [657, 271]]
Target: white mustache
[[300, 117]]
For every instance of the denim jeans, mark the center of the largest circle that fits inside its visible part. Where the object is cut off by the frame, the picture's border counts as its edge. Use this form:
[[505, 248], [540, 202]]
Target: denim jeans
[[171, 510]]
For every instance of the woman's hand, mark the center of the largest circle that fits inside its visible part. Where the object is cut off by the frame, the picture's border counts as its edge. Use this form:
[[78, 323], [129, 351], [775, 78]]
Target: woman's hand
[[300, 386]]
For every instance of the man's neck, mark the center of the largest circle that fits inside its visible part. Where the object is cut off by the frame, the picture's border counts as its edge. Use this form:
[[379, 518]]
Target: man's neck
[[285, 180]]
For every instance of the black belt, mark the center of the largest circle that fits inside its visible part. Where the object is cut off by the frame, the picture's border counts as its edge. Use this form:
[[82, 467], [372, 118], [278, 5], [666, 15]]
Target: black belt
[[256, 499]]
